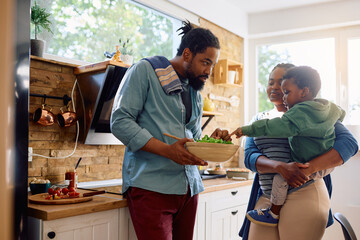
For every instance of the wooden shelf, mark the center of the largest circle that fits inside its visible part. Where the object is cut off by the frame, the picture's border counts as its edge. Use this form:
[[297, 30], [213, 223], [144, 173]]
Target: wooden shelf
[[221, 70], [210, 116], [98, 66]]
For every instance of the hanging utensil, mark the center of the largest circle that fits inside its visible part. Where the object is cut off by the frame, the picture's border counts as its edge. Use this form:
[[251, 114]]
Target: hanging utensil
[[78, 163]]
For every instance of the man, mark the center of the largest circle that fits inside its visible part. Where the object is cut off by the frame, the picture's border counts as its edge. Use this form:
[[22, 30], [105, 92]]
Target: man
[[160, 178]]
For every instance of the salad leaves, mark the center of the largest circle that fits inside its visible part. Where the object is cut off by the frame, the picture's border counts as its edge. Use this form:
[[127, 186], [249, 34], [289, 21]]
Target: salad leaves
[[208, 139]]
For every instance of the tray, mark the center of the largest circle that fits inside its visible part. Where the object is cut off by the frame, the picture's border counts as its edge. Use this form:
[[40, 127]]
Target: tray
[[40, 199]]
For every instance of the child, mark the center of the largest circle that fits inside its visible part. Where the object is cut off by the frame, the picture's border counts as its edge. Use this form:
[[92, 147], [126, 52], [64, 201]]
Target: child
[[309, 126]]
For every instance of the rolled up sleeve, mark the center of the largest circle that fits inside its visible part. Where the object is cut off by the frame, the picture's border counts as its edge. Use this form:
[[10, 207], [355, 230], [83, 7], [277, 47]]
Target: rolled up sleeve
[[128, 104], [345, 143]]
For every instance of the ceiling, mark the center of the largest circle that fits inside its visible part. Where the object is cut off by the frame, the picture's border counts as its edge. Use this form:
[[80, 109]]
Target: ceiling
[[256, 6]]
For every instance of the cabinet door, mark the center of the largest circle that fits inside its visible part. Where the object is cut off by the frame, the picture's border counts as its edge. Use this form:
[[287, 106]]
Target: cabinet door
[[225, 224], [200, 221], [126, 228], [94, 226]]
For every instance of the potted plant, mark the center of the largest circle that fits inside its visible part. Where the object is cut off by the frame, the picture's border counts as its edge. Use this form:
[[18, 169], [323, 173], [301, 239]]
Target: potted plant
[[40, 20], [126, 51]]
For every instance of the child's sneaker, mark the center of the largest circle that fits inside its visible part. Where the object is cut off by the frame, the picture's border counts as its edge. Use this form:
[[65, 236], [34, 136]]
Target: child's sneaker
[[262, 217]]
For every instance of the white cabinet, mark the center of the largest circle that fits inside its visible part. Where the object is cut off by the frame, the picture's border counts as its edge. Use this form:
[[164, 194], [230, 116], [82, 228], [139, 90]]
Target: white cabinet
[[220, 214], [95, 226], [225, 224], [200, 221], [126, 228]]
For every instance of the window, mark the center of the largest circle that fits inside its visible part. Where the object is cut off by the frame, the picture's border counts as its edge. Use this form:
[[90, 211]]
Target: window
[[84, 30], [353, 111], [333, 53], [313, 53]]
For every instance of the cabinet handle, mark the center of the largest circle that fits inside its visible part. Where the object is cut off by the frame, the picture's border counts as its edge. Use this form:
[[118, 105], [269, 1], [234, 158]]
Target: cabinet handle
[[234, 193], [234, 212], [51, 235]]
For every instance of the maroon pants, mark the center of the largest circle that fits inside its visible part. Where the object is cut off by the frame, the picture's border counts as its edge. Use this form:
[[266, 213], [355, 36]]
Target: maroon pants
[[159, 216]]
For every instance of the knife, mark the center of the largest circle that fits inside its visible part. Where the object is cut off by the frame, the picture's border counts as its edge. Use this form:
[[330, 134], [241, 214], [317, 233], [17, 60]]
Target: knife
[[92, 193]]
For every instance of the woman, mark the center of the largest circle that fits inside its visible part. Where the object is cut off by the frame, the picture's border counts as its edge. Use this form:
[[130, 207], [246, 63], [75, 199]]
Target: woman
[[305, 213], [296, 222]]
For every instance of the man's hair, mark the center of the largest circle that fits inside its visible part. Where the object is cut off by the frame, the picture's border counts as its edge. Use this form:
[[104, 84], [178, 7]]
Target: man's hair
[[283, 65], [196, 39], [304, 76]]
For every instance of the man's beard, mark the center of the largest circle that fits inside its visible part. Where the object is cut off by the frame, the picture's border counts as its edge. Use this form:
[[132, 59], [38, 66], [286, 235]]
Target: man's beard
[[195, 81]]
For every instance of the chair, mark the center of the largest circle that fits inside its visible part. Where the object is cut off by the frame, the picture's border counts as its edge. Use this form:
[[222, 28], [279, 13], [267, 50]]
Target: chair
[[348, 231]]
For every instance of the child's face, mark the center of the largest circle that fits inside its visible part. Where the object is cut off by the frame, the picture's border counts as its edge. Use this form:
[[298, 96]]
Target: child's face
[[292, 93]]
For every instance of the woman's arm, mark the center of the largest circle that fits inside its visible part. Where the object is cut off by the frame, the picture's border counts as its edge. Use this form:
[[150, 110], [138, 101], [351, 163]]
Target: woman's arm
[[257, 162], [344, 148]]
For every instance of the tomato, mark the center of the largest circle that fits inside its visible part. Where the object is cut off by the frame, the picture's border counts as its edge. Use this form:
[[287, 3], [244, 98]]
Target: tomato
[[51, 191], [74, 194], [48, 197], [65, 190], [72, 189], [57, 192]]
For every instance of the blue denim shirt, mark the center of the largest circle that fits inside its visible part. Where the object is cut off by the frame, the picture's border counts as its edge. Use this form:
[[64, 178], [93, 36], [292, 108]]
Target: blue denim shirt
[[141, 111]]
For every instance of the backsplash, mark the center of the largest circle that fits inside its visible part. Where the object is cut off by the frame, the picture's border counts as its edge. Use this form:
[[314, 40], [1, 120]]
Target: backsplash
[[104, 162]]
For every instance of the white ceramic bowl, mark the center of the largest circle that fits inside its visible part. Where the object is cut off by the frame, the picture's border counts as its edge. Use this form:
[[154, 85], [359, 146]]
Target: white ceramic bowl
[[212, 152]]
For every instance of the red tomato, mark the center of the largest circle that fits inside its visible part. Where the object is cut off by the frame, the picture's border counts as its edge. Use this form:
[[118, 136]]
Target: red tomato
[[57, 192], [65, 190], [72, 189], [51, 191], [73, 194]]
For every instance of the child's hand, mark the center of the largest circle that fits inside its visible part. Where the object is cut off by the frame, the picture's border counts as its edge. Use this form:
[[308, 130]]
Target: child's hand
[[237, 132]]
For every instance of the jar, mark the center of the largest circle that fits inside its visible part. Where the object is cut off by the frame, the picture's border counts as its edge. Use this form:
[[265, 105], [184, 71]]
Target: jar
[[71, 178]]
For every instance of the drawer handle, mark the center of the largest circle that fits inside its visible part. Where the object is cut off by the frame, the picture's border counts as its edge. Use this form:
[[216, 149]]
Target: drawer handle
[[234, 212], [234, 193], [51, 235]]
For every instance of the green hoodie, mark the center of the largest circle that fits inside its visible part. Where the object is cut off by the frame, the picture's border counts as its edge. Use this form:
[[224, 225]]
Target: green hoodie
[[309, 126]]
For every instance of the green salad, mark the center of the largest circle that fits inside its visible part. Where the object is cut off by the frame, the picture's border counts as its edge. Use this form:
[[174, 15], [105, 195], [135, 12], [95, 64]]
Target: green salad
[[208, 139]]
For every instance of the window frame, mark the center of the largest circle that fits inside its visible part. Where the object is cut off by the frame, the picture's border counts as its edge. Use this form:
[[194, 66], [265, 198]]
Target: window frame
[[340, 35]]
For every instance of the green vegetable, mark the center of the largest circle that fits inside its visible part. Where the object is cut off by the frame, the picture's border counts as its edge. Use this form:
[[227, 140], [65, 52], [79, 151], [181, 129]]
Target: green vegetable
[[208, 139]]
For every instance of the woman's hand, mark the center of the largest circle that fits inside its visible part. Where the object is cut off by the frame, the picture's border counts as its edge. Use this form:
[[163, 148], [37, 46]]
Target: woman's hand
[[293, 173]]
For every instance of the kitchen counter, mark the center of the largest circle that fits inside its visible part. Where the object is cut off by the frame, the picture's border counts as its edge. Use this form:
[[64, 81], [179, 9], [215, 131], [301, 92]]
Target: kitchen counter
[[111, 201]]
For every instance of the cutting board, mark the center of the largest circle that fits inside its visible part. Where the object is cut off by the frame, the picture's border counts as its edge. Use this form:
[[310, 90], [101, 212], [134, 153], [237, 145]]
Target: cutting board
[[40, 199]]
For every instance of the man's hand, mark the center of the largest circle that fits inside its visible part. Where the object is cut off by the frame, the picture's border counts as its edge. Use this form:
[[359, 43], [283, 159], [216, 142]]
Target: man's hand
[[179, 154], [220, 134], [293, 173]]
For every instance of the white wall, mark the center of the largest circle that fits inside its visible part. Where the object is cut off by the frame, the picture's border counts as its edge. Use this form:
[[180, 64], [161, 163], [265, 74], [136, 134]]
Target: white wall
[[301, 19], [222, 13]]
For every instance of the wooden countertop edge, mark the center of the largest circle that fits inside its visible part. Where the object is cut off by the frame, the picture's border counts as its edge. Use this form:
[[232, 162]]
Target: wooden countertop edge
[[98, 204], [226, 185], [112, 201]]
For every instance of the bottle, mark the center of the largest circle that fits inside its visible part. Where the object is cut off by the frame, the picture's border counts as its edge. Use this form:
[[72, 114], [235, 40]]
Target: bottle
[[71, 178]]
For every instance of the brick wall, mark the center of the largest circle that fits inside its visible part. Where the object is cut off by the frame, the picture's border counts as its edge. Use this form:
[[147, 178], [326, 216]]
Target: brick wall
[[105, 161]]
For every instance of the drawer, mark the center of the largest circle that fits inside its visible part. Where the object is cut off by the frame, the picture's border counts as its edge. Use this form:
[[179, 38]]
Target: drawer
[[230, 198]]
